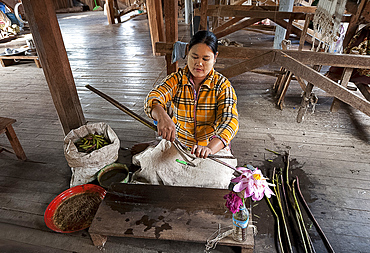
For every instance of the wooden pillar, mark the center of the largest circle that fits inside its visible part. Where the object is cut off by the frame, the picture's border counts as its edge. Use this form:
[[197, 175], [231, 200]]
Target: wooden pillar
[[110, 12], [171, 13], [155, 18], [346, 76], [203, 15], [353, 23], [53, 56], [188, 11], [284, 5], [117, 13]]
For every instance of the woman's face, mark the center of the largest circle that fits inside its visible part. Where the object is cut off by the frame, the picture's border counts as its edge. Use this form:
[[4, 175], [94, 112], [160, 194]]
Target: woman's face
[[201, 60]]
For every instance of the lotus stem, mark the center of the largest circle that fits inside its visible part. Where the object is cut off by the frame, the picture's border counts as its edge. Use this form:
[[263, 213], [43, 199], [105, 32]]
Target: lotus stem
[[301, 221], [277, 223], [276, 153], [277, 192], [285, 198], [301, 217], [300, 230], [322, 235], [287, 168]]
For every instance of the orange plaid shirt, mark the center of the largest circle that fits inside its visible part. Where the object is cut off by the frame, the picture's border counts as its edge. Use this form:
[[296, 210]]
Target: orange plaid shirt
[[198, 117]]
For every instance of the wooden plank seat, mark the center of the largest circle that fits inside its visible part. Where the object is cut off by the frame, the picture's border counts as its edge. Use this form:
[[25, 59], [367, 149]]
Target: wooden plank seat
[[7, 128], [7, 60]]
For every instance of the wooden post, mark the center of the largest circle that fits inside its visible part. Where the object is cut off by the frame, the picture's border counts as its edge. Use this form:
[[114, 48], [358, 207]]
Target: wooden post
[[53, 56], [117, 11], [170, 13], [364, 89], [346, 76], [155, 18], [353, 24], [306, 98], [188, 11], [284, 5], [110, 12], [203, 15]]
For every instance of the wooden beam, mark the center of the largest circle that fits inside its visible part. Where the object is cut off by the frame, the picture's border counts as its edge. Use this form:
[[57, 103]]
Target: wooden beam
[[250, 64], [307, 57], [295, 30], [53, 56], [155, 18], [171, 13], [237, 27], [244, 11], [364, 89], [231, 21], [303, 9], [328, 59], [322, 82], [260, 11], [226, 25]]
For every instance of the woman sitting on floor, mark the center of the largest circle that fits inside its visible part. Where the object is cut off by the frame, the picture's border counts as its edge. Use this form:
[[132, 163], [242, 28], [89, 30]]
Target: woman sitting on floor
[[205, 119]]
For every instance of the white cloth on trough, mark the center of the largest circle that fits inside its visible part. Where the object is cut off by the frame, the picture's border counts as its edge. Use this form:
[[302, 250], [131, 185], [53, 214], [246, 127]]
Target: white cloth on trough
[[159, 166]]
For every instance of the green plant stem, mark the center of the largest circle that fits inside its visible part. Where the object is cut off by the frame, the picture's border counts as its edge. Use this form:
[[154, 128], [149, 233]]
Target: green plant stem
[[277, 223], [301, 217], [300, 230], [322, 234], [276, 153], [284, 195], [287, 168], [277, 192]]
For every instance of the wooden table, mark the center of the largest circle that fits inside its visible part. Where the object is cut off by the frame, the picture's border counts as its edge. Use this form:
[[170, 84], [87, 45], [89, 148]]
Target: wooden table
[[164, 212]]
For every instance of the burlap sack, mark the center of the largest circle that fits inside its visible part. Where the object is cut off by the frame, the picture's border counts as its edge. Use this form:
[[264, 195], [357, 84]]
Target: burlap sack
[[84, 166]]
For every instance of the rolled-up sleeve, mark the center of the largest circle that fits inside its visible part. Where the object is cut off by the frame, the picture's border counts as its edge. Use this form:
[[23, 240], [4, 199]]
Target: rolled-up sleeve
[[227, 114], [161, 94]]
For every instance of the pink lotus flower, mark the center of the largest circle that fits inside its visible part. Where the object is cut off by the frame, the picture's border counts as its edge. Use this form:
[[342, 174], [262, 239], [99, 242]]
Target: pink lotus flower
[[253, 183], [233, 202]]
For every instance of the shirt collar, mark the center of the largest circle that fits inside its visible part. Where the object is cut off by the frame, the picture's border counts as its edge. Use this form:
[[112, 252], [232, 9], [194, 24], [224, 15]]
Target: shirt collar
[[207, 82]]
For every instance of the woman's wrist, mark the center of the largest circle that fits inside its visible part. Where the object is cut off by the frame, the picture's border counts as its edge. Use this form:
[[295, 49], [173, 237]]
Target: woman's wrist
[[158, 112], [215, 145]]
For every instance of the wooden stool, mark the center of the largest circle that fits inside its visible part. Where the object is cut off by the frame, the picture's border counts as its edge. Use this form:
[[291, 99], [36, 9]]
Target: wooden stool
[[7, 128]]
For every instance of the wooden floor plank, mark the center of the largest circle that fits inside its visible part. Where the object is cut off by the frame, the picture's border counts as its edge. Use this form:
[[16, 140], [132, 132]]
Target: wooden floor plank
[[9, 246]]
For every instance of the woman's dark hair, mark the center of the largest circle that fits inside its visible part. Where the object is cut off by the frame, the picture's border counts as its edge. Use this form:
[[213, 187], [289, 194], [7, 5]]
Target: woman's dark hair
[[205, 37]]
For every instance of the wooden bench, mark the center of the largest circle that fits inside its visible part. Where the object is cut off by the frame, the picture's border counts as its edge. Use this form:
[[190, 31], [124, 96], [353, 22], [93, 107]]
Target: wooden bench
[[7, 128], [10, 60], [175, 213]]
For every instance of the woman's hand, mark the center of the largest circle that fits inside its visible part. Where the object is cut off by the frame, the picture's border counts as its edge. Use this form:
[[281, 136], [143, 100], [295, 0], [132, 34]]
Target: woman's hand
[[165, 126], [201, 151], [213, 147]]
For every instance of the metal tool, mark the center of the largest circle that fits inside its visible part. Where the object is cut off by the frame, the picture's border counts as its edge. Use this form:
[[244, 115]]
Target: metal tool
[[179, 146]]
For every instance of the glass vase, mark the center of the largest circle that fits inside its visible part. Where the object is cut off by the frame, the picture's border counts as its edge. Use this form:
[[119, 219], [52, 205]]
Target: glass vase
[[240, 224]]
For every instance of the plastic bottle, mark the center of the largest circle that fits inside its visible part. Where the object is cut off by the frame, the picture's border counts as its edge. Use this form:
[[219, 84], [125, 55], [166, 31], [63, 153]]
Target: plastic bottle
[[240, 224]]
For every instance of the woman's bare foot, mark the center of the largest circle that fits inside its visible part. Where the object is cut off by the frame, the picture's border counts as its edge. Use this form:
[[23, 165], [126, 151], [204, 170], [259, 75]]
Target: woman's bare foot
[[137, 148]]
